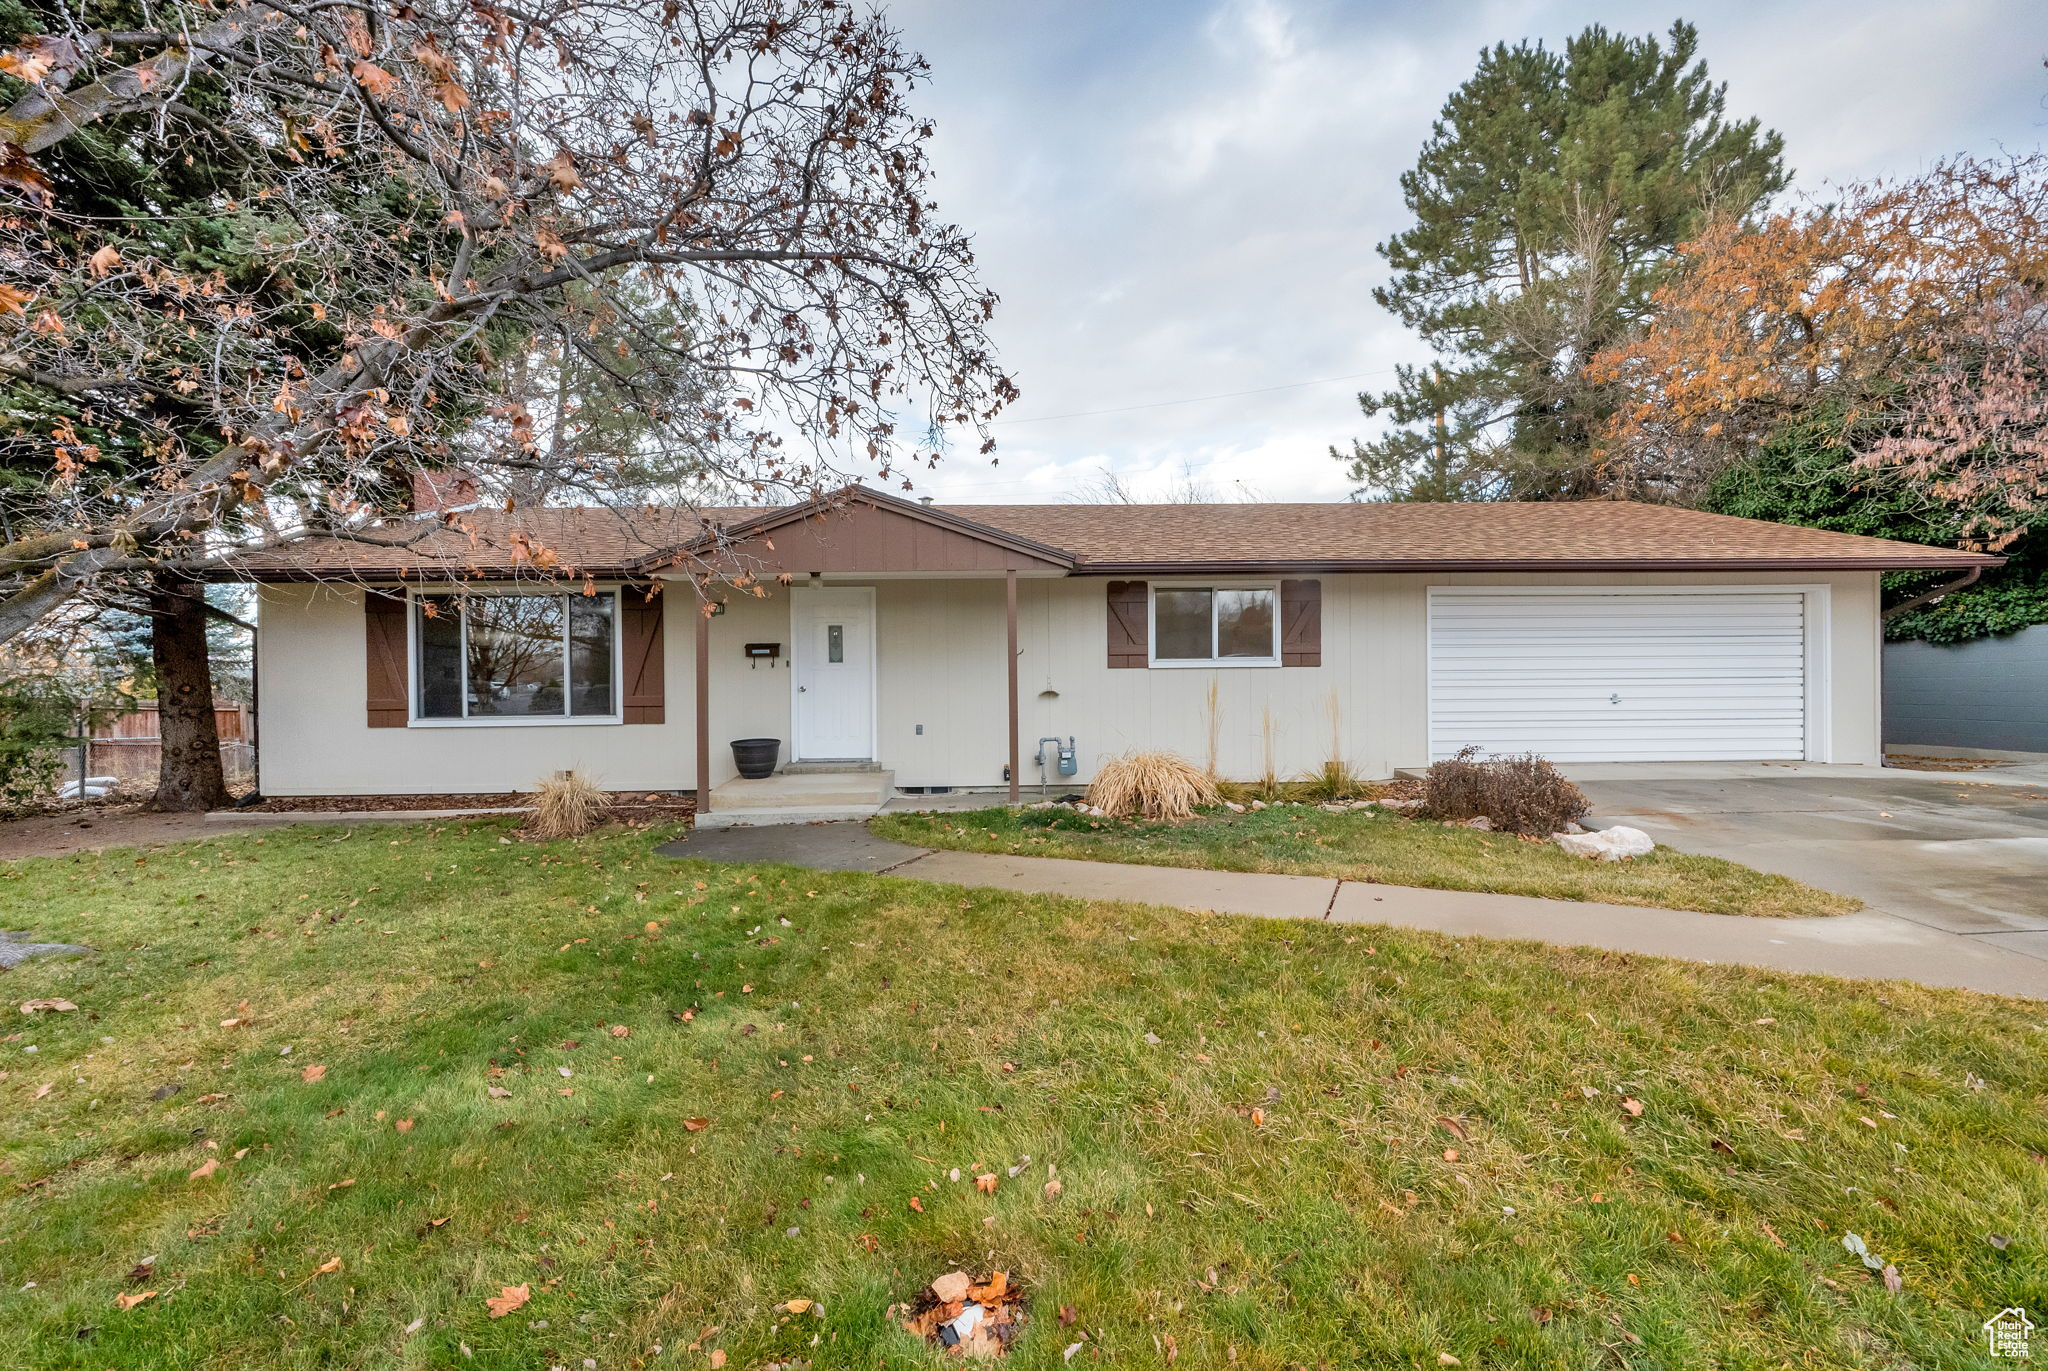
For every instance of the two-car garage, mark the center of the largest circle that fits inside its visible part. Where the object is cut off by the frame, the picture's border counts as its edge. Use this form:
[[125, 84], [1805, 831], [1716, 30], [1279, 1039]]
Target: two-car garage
[[1617, 674]]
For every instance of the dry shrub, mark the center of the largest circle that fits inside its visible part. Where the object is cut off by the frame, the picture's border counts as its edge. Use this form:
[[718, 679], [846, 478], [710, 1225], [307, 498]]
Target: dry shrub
[[1521, 794], [567, 806], [1152, 785]]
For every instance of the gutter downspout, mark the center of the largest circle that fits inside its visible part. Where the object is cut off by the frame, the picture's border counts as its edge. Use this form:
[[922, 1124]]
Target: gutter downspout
[[1935, 594]]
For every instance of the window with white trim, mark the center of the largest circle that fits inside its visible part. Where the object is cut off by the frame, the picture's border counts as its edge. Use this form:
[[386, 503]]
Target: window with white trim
[[489, 656], [1226, 625]]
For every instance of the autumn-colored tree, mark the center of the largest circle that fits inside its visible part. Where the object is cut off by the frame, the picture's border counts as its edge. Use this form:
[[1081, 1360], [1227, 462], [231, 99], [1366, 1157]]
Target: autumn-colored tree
[[436, 185], [1916, 311]]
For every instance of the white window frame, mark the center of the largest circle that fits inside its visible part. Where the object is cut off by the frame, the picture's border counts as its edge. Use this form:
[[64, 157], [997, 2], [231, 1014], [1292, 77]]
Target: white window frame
[[1152, 657], [414, 683]]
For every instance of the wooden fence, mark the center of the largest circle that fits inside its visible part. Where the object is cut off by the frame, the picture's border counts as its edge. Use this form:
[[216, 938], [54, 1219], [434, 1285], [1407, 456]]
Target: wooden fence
[[129, 747]]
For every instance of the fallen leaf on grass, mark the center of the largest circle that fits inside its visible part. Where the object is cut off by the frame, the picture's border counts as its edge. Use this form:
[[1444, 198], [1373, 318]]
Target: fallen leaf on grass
[[797, 1306], [125, 1301], [986, 1184], [498, 1092], [1633, 1108], [1258, 1118], [313, 1073], [507, 1299], [1892, 1280], [204, 1169], [696, 1125], [46, 1088], [37, 1006], [619, 1030], [1452, 1126], [328, 1267], [403, 1125], [343, 1185]]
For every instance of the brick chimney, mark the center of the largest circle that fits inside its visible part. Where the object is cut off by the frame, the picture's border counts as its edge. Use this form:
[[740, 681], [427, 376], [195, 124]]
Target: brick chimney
[[435, 491]]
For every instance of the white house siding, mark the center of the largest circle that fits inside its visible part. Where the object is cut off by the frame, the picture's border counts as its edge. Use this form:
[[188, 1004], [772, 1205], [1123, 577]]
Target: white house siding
[[314, 737], [939, 664]]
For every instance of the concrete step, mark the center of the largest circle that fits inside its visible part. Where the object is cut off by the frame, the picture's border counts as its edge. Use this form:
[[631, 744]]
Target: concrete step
[[769, 818], [833, 789], [830, 769]]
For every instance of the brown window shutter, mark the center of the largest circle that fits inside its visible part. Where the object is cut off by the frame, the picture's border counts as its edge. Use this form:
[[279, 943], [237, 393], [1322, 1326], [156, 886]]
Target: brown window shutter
[[1301, 623], [386, 695], [641, 650], [1128, 634]]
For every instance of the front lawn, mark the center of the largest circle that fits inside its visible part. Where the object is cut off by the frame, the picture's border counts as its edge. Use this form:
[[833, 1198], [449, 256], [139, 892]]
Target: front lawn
[[664, 1099], [1372, 845]]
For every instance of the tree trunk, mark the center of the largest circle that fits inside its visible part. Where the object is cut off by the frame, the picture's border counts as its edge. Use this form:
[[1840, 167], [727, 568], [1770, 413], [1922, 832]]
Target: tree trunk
[[189, 777]]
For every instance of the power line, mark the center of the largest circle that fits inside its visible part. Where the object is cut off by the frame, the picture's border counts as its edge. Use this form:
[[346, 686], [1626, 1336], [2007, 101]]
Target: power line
[[1197, 399]]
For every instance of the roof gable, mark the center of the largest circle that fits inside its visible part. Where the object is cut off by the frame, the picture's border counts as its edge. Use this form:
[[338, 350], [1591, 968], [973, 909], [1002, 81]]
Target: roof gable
[[858, 530]]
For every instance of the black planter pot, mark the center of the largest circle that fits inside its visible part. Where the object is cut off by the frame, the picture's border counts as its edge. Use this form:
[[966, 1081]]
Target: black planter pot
[[755, 757]]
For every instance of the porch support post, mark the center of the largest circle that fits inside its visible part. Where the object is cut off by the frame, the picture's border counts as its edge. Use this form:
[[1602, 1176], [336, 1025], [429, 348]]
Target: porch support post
[[703, 667], [1010, 672]]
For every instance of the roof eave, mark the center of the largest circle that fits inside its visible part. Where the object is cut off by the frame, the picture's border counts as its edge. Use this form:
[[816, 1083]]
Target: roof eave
[[1333, 566]]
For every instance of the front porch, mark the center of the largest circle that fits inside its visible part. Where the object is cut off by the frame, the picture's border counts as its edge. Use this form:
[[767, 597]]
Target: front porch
[[867, 635]]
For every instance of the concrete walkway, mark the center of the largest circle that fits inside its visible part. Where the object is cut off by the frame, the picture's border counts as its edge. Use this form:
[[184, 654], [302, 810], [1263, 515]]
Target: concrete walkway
[[1874, 945]]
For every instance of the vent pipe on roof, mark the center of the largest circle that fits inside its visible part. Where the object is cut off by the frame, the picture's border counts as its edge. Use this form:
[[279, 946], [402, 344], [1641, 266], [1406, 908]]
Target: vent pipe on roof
[[925, 499]]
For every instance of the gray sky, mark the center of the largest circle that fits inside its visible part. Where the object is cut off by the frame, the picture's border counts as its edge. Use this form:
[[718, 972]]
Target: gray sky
[[1180, 198]]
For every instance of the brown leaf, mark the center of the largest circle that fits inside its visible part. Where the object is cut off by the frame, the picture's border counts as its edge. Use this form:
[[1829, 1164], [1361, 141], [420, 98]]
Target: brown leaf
[[498, 1092], [313, 1073], [37, 1006], [403, 1125], [328, 1267], [1456, 1129], [917, 1204], [696, 1125], [717, 1358], [1258, 1118], [103, 261], [619, 1030], [1720, 1146], [126, 1301], [561, 171], [986, 1184], [204, 1169], [796, 1306], [1633, 1108], [507, 1299], [13, 301], [1892, 1280]]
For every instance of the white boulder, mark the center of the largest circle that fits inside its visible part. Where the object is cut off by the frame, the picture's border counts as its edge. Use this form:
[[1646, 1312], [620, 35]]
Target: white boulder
[[1607, 844]]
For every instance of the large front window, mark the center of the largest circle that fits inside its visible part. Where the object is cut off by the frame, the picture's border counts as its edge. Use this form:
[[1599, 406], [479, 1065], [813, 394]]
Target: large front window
[[515, 656], [1227, 625]]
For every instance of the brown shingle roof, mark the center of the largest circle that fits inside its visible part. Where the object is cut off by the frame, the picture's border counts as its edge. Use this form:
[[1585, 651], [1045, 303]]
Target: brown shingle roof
[[597, 540], [1159, 539], [1607, 534]]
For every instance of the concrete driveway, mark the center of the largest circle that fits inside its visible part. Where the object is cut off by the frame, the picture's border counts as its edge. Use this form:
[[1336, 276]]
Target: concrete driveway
[[1963, 854]]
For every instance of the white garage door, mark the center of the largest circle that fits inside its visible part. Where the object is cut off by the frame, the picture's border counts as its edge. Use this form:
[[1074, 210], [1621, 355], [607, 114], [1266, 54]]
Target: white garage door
[[1657, 677]]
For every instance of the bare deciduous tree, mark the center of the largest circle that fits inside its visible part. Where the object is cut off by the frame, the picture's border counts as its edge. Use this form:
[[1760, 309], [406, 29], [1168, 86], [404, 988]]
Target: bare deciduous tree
[[721, 207]]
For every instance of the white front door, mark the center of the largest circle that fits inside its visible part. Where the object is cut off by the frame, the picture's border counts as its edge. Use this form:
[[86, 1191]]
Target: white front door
[[832, 666]]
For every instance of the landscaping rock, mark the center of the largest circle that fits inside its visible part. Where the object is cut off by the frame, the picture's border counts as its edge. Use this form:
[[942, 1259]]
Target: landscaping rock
[[14, 950], [1608, 844]]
